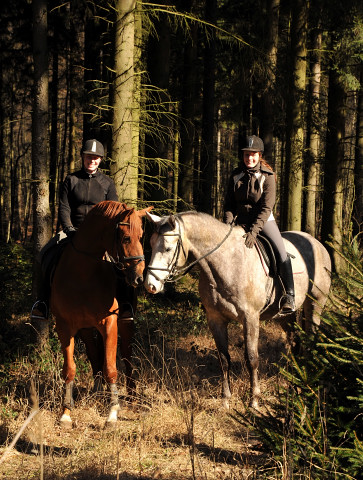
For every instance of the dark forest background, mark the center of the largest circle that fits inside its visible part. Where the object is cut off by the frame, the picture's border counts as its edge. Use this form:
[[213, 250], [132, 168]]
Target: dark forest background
[[172, 90]]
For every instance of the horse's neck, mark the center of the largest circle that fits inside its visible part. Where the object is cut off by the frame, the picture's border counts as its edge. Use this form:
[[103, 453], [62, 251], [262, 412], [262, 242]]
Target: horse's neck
[[202, 236], [90, 239]]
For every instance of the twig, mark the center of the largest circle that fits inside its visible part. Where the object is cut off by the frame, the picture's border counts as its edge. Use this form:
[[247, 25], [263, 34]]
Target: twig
[[17, 436]]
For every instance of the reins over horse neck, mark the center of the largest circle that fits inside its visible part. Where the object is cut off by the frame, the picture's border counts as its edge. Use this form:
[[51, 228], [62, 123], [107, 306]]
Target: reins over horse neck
[[173, 269]]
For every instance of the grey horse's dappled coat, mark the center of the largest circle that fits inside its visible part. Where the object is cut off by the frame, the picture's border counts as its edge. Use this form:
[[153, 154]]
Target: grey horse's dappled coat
[[233, 283]]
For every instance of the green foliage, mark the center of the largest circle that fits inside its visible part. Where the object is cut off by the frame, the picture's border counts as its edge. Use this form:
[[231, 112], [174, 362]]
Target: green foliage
[[15, 278], [315, 428]]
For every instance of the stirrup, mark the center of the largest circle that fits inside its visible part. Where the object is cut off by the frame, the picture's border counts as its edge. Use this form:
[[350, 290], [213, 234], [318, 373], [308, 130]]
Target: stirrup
[[39, 310], [286, 304], [128, 314]]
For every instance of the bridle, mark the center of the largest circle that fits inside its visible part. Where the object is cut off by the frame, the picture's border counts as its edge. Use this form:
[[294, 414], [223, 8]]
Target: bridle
[[174, 273], [172, 267], [120, 262]]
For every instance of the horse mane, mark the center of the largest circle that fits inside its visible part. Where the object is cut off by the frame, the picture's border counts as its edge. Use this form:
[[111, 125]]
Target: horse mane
[[118, 211]]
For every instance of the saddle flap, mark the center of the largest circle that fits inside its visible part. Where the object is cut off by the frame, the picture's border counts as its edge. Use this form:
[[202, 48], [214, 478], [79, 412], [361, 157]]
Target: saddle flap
[[267, 254]]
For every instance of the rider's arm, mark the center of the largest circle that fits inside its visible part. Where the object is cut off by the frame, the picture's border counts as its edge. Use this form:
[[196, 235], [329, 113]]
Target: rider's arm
[[64, 211]]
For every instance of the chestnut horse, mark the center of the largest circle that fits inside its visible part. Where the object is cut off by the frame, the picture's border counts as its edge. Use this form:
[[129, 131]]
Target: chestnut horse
[[83, 292], [233, 283]]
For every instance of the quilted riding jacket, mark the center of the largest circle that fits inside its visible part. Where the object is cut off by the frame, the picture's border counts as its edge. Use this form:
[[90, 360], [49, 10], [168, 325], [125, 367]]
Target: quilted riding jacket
[[80, 191], [251, 195]]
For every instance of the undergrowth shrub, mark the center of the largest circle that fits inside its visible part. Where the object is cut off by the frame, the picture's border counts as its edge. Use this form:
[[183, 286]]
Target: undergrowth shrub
[[314, 428]]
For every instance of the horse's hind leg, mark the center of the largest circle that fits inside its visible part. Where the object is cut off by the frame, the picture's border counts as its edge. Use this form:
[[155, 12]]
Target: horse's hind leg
[[69, 372], [126, 333], [109, 367], [220, 334], [251, 334], [95, 353]]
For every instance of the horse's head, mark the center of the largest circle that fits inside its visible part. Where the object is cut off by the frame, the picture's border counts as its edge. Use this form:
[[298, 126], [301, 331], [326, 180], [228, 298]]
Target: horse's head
[[167, 246], [128, 248]]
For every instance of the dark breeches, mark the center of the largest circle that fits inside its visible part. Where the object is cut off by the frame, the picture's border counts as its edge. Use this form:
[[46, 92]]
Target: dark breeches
[[272, 232]]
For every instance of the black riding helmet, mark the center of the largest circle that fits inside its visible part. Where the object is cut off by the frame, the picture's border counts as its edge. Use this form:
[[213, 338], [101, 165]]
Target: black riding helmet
[[93, 147], [254, 144]]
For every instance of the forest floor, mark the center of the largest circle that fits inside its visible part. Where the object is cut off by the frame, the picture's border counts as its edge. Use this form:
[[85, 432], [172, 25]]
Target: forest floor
[[175, 429]]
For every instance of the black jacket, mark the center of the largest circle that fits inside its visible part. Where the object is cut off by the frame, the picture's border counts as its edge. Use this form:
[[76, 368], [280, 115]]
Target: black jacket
[[251, 195], [79, 192]]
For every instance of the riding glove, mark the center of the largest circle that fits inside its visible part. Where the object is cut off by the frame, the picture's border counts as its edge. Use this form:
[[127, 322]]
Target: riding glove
[[70, 231], [250, 239]]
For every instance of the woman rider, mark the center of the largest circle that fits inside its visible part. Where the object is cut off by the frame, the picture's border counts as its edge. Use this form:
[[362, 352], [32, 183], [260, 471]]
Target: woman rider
[[249, 202], [79, 192]]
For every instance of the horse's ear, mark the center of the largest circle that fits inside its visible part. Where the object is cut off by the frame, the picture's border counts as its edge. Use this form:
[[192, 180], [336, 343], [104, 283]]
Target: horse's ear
[[150, 216], [144, 212], [172, 221]]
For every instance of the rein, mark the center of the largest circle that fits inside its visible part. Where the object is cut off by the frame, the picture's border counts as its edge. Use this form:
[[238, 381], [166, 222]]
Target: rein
[[172, 268]]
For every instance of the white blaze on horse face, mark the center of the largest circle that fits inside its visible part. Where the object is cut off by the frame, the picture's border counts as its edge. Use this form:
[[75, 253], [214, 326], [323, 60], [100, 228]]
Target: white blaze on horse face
[[163, 257]]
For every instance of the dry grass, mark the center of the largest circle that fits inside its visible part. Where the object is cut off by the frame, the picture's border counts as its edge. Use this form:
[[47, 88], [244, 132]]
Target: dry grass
[[175, 429]]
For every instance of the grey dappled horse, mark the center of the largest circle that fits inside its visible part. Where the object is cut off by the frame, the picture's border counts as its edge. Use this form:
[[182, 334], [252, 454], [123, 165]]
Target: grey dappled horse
[[233, 283]]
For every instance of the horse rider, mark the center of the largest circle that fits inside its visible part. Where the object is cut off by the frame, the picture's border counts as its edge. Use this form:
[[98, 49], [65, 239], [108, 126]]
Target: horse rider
[[79, 192], [250, 199]]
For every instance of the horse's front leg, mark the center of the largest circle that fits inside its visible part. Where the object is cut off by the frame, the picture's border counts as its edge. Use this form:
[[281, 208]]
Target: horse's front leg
[[251, 334], [109, 366], [69, 372], [220, 334]]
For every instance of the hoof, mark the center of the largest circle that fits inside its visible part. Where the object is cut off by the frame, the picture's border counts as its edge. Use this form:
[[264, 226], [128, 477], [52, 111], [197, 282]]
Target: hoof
[[254, 404], [112, 416], [65, 422]]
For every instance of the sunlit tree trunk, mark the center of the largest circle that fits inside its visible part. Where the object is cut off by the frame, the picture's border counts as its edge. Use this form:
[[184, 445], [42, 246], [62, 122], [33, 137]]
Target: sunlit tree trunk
[[295, 116], [312, 177], [40, 155], [136, 110], [124, 165], [358, 170]]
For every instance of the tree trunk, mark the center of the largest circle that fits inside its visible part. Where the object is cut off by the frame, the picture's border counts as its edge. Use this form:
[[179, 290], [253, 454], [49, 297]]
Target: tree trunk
[[187, 128], [295, 116], [358, 170], [157, 141], [332, 225], [267, 101], [54, 130], [312, 177], [40, 156], [76, 80], [205, 196], [124, 165]]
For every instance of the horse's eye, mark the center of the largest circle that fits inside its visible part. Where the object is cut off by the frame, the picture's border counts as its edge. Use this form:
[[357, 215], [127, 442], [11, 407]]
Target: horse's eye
[[168, 249], [126, 240]]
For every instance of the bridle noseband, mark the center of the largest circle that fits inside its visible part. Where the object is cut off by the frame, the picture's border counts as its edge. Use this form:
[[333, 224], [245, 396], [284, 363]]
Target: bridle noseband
[[172, 268]]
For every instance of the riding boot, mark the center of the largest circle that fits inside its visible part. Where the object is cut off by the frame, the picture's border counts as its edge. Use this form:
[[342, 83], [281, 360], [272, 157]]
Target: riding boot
[[40, 309], [287, 301]]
